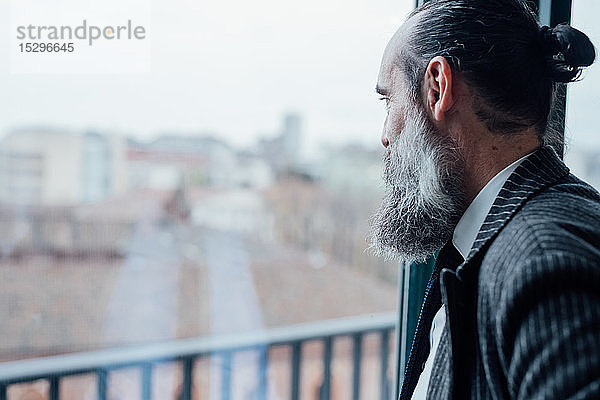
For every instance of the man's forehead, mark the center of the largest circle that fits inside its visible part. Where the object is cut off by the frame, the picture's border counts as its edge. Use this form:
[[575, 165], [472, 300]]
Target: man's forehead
[[388, 66], [387, 72]]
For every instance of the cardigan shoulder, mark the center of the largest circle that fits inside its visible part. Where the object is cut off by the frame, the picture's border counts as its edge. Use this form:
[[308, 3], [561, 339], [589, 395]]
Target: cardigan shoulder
[[563, 221], [538, 295]]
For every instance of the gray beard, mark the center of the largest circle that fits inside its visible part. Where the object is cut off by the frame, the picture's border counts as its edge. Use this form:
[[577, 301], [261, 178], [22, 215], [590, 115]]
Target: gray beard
[[424, 193]]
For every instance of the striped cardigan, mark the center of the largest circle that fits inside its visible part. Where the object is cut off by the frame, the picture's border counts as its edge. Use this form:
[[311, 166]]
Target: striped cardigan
[[523, 310]]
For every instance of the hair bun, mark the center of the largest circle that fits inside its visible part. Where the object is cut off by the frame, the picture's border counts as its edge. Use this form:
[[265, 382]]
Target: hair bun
[[567, 51]]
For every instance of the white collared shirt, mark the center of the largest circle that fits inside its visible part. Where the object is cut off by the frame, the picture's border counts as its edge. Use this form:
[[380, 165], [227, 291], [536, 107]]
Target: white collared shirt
[[464, 236]]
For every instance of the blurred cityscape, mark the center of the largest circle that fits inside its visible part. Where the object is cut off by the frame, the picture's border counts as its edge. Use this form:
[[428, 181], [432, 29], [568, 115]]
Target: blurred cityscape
[[109, 241]]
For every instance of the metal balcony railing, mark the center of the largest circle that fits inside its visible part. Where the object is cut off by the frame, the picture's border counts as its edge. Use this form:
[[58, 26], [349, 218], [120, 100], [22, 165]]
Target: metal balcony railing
[[187, 351]]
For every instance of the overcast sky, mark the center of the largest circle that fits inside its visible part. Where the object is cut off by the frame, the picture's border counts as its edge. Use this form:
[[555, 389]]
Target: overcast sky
[[233, 67]]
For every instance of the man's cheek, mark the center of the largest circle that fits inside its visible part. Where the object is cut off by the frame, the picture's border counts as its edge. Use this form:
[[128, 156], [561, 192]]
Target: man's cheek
[[396, 126]]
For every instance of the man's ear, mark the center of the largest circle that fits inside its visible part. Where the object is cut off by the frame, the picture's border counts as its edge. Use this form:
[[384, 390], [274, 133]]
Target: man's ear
[[438, 87]]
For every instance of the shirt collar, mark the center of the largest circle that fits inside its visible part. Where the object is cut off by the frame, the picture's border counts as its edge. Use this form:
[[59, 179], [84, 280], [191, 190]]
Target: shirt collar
[[468, 226]]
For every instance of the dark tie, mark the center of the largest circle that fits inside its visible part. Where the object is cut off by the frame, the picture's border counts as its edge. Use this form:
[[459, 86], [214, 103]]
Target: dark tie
[[441, 371], [448, 257]]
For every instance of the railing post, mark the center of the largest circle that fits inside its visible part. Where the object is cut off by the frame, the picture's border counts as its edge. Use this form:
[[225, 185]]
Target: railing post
[[188, 368], [226, 376], [357, 356], [296, 354], [54, 387], [147, 381], [384, 357], [326, 386], [263, 360], [102, 376]]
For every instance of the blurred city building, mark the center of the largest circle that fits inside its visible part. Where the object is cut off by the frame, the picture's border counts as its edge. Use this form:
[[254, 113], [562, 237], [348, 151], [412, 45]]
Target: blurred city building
[[169, 161], [282, 152], [242, 210], [41, 166]]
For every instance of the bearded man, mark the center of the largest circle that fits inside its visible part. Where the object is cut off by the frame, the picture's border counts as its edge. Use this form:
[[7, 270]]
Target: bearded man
[[512, 310]]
